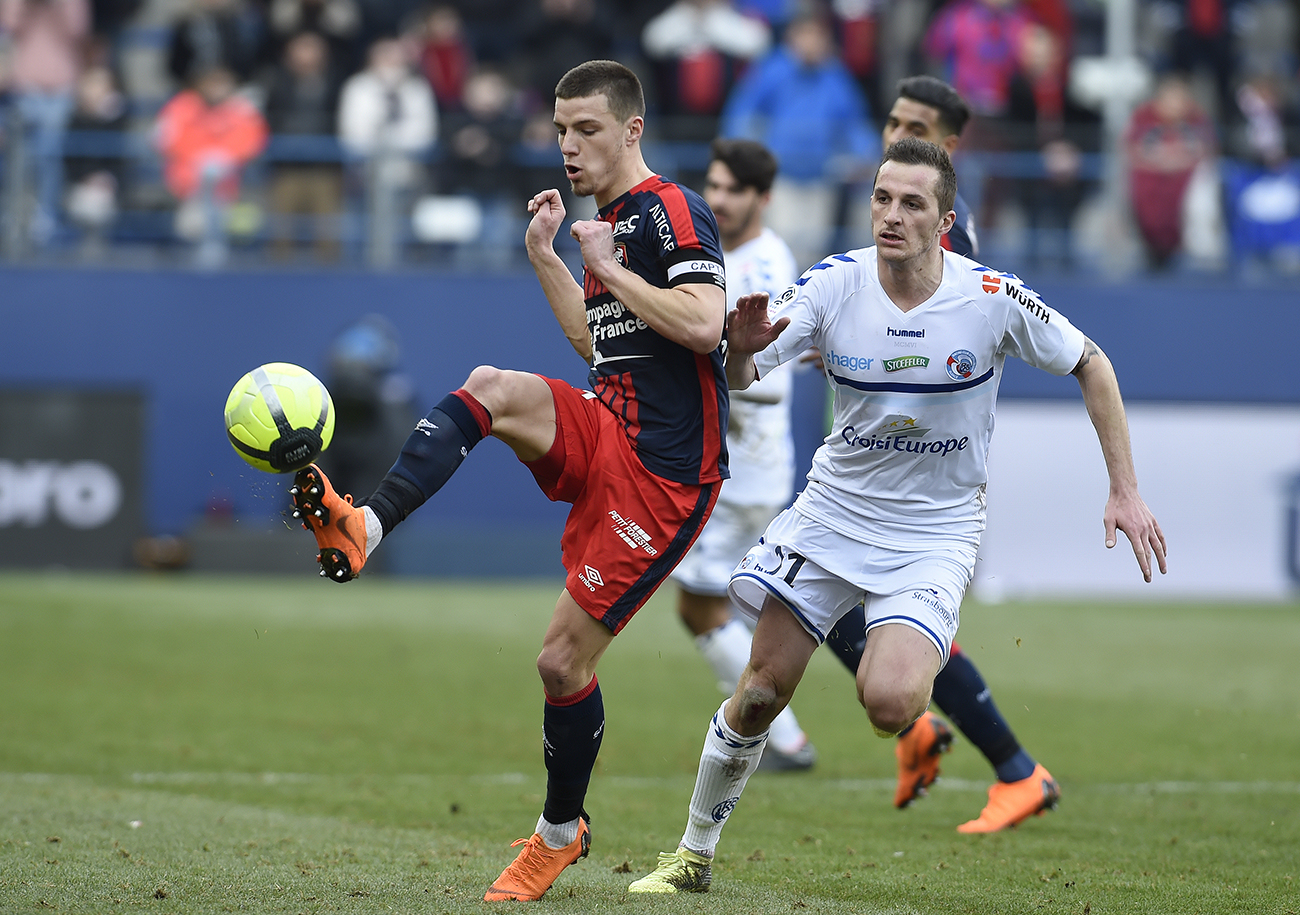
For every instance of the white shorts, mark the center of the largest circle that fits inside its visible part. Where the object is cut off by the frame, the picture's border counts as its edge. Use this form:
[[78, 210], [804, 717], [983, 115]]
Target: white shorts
[[820, 575], [730, 532]]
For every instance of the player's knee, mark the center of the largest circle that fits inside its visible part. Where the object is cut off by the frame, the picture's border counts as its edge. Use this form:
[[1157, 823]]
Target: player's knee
[[514, 400], [757, 703], [561, 674], [485, 380], [890, 711]]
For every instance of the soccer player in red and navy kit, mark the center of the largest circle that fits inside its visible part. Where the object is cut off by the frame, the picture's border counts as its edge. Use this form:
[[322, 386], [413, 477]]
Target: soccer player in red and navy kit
[[641, 455]]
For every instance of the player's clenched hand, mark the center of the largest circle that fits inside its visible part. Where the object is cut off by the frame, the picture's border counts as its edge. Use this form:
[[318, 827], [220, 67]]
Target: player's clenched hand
[[596, 238], [548, 212], [749, 329], [1130, 514]]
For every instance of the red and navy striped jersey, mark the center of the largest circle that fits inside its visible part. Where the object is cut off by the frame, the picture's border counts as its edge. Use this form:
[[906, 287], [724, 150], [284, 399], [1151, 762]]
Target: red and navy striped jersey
[[672, 401], [961, 238]]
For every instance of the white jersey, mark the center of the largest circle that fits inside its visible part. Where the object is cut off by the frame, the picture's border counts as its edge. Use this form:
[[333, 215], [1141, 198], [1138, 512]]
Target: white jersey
[[904, 465], [760, 446]]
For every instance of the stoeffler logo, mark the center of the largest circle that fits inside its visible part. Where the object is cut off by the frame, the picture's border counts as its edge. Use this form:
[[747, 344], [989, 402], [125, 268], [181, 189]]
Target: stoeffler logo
[[81, 494], [905, 362]]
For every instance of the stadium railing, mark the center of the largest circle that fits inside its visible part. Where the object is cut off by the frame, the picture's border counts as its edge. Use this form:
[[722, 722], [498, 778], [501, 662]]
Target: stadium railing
[[146, 212]]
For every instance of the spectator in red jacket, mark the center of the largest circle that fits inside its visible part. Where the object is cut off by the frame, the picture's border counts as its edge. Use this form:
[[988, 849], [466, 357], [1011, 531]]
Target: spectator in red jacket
[[446, 56], [206, 135], [1168, 137]]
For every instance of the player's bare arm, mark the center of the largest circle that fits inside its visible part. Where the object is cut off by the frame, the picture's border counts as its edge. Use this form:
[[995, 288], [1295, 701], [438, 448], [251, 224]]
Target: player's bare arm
[[1125, 509], [691, 314], [749, 330], [561, 289]]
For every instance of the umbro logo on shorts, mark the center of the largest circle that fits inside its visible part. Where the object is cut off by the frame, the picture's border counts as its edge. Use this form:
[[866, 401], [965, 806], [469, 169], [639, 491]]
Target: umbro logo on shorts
[[590, 577]]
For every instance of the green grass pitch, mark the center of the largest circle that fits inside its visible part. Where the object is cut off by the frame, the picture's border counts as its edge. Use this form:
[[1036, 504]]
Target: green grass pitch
[[241, 744]]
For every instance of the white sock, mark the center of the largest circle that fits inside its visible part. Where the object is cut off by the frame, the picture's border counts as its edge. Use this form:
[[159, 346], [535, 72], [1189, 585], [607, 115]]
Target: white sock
[[557, 835], [785, 733], [727, 651], [374, 530], [725, 765]]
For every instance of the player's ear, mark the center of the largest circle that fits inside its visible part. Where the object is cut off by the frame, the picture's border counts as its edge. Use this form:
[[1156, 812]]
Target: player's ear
[[634, 128], [946, 224]]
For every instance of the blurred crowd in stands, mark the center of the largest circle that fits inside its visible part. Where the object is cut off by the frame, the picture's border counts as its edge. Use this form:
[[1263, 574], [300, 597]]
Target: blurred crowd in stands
[[391, 131]]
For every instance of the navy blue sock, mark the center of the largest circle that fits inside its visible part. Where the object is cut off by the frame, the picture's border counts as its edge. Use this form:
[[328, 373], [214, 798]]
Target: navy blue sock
[[849, 638], [961, 694], [430, 456], [572, 728]]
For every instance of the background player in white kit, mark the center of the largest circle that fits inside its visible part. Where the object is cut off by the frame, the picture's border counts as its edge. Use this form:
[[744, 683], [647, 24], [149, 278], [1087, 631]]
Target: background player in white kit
[[760, 446], [914, 340]]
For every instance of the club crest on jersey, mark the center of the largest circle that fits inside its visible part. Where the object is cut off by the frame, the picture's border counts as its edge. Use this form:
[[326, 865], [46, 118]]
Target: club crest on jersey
[[620, 255], [961, 365]]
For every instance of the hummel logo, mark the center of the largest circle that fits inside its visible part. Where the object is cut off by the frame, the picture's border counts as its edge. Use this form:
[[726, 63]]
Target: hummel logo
[[424, 425]]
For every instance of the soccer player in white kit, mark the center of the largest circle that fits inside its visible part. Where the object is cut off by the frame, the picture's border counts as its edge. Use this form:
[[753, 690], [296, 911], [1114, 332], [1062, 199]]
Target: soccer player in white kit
[[913, 340], [760, 446]]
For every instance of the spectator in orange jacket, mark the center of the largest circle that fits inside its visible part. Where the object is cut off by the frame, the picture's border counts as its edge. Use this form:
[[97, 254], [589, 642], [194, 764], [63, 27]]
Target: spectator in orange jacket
[[209, 132], [206, 135]]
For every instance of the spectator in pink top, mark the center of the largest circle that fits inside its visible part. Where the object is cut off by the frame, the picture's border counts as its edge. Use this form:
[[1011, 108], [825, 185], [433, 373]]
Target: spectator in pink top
[[978, 43], [46, 38]]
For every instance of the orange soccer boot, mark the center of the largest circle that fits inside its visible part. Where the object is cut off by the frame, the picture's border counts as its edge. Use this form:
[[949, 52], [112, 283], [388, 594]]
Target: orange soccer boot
[[918, 753], [531, 874], [1011, 802], [339, 527]]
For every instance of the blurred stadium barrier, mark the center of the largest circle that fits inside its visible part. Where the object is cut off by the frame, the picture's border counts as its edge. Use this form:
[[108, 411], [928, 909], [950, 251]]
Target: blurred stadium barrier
[[182, 339]]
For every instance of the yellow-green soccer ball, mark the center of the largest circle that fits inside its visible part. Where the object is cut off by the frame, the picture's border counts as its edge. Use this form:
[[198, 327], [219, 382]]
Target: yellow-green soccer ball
[[279, 417]]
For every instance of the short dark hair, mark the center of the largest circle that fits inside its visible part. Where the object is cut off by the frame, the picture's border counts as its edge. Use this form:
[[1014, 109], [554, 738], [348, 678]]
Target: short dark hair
[[749, 161], [952, 108], [915, 151], [619, 85]]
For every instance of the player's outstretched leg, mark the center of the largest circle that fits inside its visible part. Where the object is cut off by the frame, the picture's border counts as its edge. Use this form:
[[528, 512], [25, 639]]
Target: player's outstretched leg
[[918, 750], [341, 529], [347, 534]]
